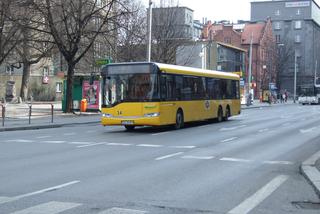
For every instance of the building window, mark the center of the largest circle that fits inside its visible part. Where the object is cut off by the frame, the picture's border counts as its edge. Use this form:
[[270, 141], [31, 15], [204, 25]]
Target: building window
[[59, 87], [297, 25], [45, 71], [278, 39], [277, 26], [277, 13], [298, 12], [297, 39]]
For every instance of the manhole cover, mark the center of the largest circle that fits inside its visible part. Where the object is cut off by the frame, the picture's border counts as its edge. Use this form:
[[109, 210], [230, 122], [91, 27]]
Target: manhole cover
[[307, 205]]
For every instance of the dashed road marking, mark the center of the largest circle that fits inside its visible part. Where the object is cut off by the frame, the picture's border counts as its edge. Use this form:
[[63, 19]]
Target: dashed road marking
[[160, 133], [80, 143], [250, 203], [229, 139], [93, 144], [21, 141], [119, 144], [198, 157], [149, 145], [52, 207], [308, 130], [263, 130], [169, 156], [41, 137], [236, 160], [183, 147], [117, 210], [278, 162], [54, 141]]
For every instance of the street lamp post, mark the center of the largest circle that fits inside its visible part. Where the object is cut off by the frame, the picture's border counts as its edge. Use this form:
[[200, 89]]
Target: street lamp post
[[295, 78], [149, 30]]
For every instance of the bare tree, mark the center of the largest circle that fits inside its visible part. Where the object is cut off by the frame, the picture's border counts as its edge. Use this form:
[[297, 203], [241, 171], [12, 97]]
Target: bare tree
[[75, 26], [9, 29], [34, 45], [169, 32], [131, 34]]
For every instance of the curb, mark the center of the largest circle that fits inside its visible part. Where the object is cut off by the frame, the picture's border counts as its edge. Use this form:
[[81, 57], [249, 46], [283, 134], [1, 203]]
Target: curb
[[35, 127], [309, 170]]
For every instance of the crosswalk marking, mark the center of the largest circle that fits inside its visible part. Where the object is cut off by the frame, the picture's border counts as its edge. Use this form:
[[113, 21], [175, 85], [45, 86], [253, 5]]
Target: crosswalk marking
[[80, 143], [41, 137], [20, 141], [149, 145], [15, 198], [52, 207], [183, 147], [235, 160], [116, 210], [93, 144], [250, 203]]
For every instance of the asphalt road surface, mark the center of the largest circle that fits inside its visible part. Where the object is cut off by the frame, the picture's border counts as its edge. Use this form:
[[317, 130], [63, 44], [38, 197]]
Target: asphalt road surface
[[249, 164]]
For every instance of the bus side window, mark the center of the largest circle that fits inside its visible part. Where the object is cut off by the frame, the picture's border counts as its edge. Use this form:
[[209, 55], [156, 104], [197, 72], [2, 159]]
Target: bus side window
[[163, 86], [178, 87]]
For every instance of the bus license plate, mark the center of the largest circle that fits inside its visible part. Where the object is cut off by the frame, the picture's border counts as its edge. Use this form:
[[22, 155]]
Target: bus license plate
[[127, 122]]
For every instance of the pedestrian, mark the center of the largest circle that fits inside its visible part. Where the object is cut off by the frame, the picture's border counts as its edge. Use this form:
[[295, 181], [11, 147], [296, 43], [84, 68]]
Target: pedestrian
[[285, 95], [281, 97]]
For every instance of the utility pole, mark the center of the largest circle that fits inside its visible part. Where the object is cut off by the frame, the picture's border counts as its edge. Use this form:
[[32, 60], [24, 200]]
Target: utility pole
[[149, 31], [250, 71]]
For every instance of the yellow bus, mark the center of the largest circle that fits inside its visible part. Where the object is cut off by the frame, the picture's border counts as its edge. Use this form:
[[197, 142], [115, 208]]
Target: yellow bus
[[155, 94]]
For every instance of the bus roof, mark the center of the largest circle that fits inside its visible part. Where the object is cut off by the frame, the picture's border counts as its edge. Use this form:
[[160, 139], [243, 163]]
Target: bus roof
[[176, 69], [183, 70]]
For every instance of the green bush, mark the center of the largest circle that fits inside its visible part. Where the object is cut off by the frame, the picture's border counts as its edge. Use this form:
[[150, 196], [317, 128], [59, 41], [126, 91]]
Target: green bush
[[42, 92]]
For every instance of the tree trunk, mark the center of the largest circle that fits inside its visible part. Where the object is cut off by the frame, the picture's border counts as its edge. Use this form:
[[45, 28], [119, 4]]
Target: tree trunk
[[25, 81], [69, 95]]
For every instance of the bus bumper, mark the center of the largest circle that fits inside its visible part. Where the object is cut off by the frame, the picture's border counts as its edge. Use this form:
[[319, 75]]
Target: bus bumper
[[141, 121]]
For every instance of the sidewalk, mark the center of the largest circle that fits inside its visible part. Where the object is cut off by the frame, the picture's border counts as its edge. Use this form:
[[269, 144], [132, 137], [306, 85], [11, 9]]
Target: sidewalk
[[17, 117], [310, 169], [258, 104]]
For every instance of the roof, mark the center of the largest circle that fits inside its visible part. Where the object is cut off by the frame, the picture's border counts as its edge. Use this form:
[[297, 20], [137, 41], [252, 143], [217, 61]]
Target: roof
[[231, 46], [176, 69], [255, 30]]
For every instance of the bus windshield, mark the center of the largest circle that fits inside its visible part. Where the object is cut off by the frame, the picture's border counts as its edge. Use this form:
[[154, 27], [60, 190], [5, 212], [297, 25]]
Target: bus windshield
[[137, 87]]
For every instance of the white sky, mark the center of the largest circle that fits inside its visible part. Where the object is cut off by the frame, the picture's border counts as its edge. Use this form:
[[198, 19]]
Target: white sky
[[216, 10]]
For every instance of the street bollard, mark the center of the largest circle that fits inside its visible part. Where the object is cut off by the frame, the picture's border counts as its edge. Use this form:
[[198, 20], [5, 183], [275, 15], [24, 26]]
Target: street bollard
[[30, 106], [51, 113], [3, 113]]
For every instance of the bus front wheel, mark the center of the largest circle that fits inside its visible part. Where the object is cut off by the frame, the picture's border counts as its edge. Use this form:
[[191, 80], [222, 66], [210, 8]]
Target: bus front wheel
[[179, 120], [129, 128]]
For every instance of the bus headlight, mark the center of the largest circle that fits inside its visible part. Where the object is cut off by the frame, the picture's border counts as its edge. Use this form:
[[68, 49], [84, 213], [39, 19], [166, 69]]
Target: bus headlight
[[156, 114], [107, 115]]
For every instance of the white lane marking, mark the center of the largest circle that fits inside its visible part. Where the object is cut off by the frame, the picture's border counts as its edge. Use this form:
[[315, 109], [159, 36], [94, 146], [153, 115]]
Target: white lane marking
[[308, 130], [21, 141], [229, 139], [69, 134], [119, 144], [263, 130], [198, 157], [54, 141], [117, 210], [235, 160], [278, 162], [91, 131], [183, 147], [250, 203], [93, 144], [7, 199], [232, 128], [169, 156], [80, 143], [41, 137], [149, 145], [51, 207], [160, 133]]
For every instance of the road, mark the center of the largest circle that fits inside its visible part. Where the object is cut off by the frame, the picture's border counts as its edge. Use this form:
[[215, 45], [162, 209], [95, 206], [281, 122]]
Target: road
[[249, 164]]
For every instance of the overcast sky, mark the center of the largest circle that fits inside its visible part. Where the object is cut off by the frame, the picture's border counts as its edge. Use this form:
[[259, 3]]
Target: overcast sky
[[216, 10]]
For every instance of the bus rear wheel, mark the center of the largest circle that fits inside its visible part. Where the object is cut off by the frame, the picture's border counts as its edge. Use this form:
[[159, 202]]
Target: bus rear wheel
[[129, 128], [179, 120]]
